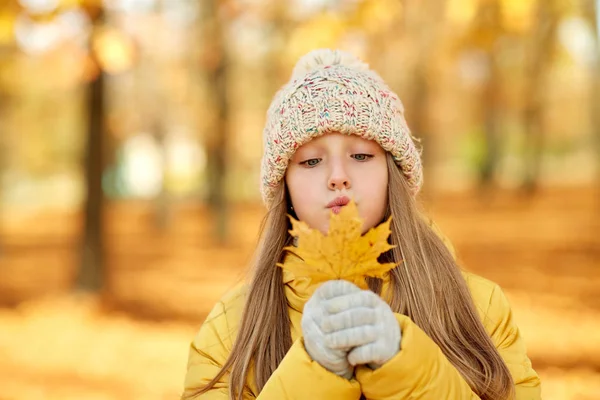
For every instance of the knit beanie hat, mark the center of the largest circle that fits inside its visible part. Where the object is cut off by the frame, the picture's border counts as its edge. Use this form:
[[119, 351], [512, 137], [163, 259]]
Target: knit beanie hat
[[333, 91]]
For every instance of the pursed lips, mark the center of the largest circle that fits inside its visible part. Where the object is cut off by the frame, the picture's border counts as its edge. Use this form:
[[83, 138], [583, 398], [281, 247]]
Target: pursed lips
[[336, 204]]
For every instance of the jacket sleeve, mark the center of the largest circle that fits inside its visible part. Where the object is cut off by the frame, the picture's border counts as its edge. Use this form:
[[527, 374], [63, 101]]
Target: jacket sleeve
[[419, 371], [297, 377], [505, 334], [208, 352]]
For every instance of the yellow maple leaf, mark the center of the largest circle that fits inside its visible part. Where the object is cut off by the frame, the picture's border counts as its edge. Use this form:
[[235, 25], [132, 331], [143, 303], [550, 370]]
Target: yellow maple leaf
[[343, 253]]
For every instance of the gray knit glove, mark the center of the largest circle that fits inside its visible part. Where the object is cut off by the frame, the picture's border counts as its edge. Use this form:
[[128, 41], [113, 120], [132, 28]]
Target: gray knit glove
[[318, 325], [364, 322]]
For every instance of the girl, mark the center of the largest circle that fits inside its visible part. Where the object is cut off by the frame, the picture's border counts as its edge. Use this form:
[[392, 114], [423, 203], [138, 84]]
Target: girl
[[336, 132]]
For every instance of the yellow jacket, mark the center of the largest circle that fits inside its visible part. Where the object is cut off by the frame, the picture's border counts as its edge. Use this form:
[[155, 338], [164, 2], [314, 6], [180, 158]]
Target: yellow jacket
[[419, 371]]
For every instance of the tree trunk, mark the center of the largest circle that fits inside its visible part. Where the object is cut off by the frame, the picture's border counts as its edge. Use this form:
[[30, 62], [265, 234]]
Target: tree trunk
[[215, 62], [595, 100], [419, 17], [280, 32], [491, 105], [158, 107], [91, 273], [3, 154], [162, 203], [491, 100], [537, 66]]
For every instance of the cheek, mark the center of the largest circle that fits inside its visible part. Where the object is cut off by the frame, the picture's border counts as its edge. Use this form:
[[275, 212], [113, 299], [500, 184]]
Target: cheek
[[381, 190], [300, 187], [375, 178], [375, 191]]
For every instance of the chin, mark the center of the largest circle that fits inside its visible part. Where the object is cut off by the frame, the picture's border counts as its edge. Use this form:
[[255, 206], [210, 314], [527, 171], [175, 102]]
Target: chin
[[367, 225], [324, 229]]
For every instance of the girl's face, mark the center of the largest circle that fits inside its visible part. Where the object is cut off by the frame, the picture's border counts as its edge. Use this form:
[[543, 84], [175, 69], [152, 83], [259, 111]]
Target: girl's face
[[332, 169]]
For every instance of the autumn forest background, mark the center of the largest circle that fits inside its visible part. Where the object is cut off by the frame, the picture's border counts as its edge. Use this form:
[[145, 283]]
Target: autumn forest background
[[130, 140]]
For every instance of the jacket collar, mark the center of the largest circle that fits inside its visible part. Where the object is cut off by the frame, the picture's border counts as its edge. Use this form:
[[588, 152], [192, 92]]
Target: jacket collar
[[297, 289]]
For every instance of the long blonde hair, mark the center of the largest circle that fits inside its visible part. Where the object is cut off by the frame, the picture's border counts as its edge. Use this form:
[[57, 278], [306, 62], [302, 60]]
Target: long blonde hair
[[427, 286]]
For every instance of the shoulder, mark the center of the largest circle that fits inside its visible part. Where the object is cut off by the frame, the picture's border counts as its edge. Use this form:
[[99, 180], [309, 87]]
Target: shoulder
[[490, 301], [222, 322], [234, 300], [483, 291], [497, 318]]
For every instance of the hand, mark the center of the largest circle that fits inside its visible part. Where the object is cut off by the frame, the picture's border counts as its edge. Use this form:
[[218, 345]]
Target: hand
[[364, 322], [317, 328]]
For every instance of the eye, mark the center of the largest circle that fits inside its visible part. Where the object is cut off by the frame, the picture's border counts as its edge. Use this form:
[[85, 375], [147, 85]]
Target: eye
[[362, 157], [311, 163]]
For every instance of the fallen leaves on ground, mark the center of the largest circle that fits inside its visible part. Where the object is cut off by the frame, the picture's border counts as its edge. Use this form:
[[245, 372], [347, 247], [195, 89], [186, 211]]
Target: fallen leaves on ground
[[67, 348]]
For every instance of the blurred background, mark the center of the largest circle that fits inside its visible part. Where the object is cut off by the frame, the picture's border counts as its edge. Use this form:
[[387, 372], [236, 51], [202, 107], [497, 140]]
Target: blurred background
[[130, 141]]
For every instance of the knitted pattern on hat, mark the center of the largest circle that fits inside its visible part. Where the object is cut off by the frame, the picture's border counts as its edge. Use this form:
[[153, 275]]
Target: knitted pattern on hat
[[332, 91]]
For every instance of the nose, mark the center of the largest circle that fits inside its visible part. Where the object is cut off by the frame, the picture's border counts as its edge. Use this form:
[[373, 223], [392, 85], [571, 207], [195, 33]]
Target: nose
[[339, 178]]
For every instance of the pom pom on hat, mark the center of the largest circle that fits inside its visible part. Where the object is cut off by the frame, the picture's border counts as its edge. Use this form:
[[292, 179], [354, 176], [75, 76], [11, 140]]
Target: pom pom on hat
[[333, 91], [322, 58]]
